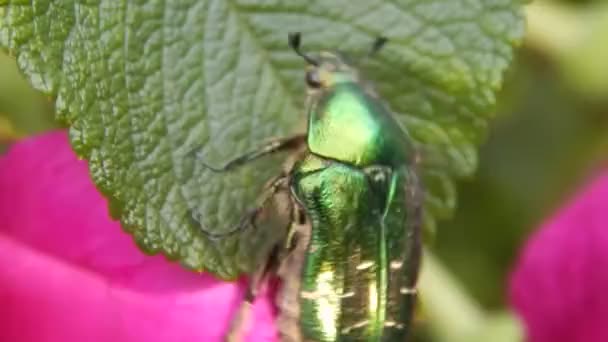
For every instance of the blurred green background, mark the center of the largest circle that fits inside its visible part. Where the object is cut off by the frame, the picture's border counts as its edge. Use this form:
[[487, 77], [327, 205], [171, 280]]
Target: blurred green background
[[548, 137]]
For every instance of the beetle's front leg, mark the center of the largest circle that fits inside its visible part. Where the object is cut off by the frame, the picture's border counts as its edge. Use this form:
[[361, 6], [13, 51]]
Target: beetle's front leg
[[273, 146]]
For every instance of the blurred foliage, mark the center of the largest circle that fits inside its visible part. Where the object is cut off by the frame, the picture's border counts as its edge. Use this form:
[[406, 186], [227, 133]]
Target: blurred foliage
[[549, 136], [574, 38], [23, 111]]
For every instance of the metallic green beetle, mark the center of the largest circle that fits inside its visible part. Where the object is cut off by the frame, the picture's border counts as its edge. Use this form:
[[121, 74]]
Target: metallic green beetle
[[350, 259]]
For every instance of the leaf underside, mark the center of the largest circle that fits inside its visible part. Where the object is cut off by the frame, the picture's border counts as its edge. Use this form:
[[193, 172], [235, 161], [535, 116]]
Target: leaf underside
[[144, 83]]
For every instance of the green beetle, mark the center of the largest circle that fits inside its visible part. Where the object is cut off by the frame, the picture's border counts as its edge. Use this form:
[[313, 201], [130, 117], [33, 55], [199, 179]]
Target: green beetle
[[350, 259]]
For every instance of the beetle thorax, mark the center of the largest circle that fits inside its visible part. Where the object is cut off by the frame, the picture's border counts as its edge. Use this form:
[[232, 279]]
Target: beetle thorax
[[347, 124]]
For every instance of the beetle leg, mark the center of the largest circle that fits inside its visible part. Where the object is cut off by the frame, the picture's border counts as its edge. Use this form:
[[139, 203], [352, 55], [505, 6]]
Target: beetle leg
[[274, 146], [249, 219], [289, 271], [239, 322]]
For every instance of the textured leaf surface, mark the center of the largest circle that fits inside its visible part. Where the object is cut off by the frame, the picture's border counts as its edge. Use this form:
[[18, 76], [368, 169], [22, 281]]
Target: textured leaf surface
[[142, 83]]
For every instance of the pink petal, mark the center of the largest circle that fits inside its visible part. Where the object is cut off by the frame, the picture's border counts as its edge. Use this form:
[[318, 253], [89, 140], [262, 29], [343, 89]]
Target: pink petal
[[560, 284], [69, 273]]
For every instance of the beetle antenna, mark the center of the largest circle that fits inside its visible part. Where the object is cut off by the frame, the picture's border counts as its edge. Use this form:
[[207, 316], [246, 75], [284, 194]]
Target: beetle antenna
[[377, 46], [294, 43]]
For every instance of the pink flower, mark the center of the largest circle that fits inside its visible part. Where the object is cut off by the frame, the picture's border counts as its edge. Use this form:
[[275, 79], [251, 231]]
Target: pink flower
[[69, 273], [560, 284]]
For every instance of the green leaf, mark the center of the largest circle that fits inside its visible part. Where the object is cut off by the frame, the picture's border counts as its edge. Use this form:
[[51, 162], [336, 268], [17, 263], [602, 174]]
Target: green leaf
[[142, 83]]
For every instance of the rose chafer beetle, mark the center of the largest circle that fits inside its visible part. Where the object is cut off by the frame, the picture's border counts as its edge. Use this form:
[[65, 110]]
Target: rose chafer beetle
[[350, 258]]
